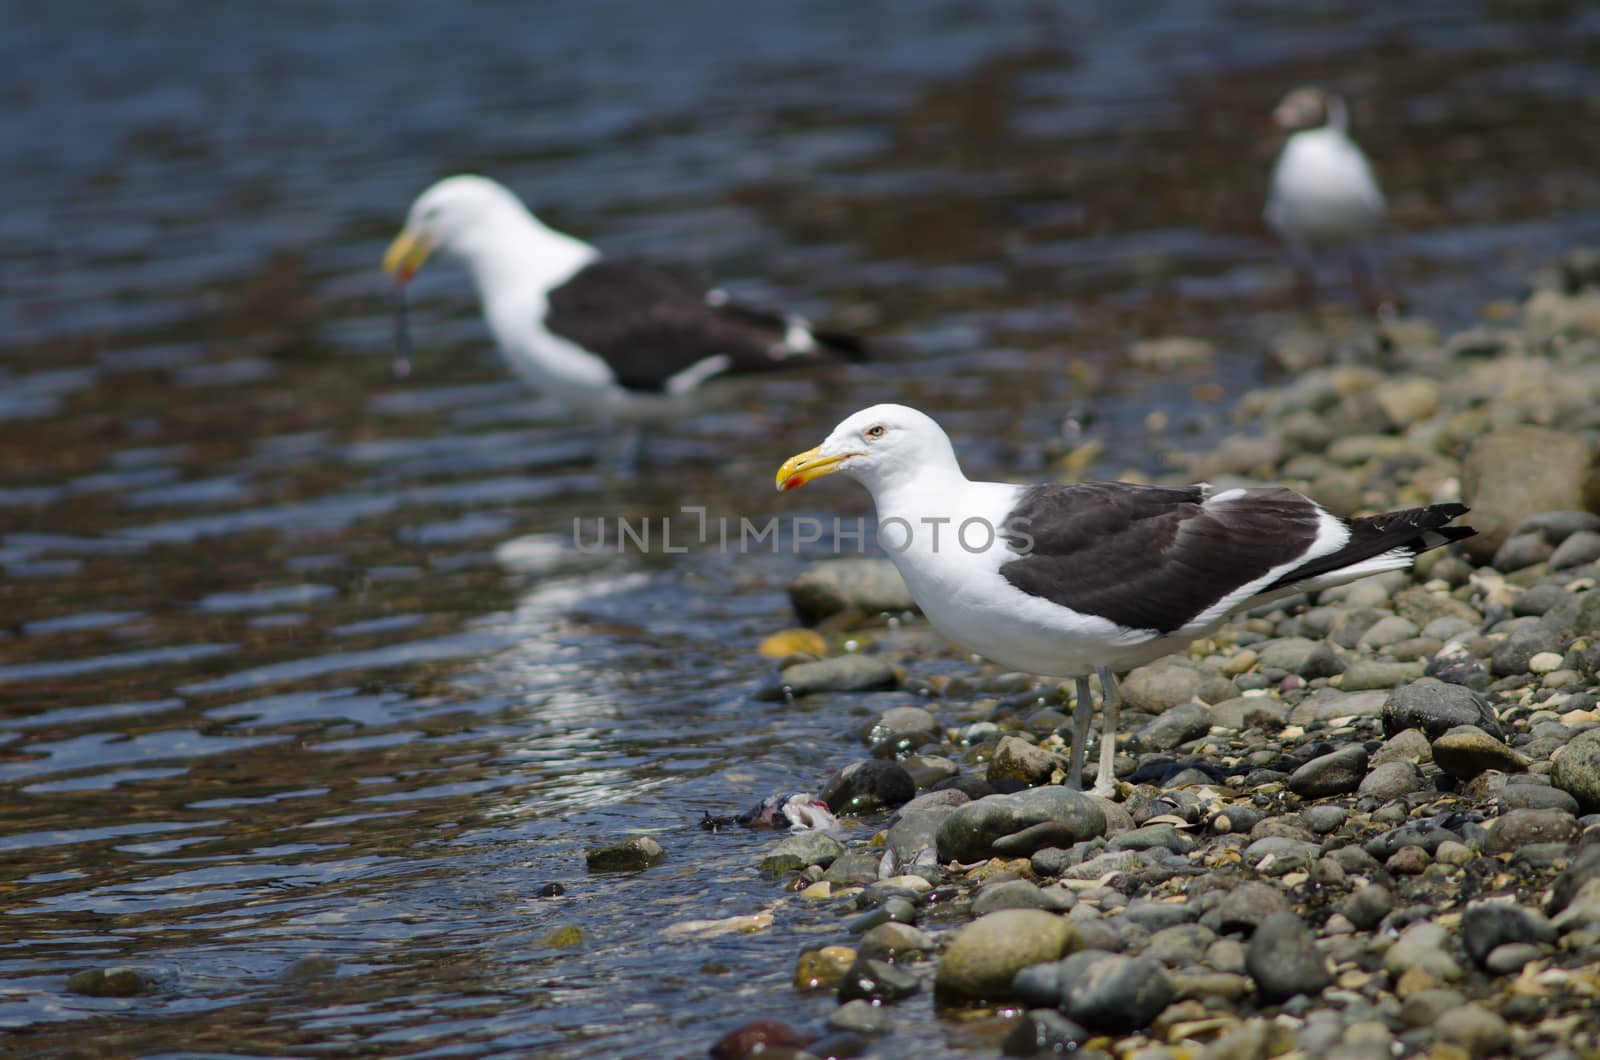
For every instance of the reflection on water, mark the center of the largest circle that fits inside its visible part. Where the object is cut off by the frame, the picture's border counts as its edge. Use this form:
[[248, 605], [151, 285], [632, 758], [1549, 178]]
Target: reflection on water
[[305, 692]]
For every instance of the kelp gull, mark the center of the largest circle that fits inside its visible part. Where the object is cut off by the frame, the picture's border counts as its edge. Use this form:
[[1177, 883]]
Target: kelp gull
[[1066, 579], [615, 340], [1323, 194]]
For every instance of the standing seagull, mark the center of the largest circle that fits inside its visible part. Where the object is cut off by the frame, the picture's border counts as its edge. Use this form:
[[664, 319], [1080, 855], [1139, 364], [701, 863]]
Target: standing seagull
[[618, 341], [1323, 193], [1065, 579]]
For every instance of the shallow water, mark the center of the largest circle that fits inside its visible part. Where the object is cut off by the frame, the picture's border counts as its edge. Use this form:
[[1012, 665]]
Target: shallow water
[[305, 689]]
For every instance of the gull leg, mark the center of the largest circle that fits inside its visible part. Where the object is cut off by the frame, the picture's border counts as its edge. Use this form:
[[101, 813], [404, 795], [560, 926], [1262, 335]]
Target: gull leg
[[605, 448], [1082, 714], [618, 449], [1105, 782], [638, 436], [1369, 285], [1305, 283]]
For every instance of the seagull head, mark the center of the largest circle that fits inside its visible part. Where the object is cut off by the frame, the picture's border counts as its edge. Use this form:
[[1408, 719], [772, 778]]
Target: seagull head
[[879, 447], [457, 216], [1308, 107]]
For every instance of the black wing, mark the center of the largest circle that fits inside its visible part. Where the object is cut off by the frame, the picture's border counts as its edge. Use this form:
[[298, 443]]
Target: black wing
[[1414, 529], [650, 325], [1151, 557]]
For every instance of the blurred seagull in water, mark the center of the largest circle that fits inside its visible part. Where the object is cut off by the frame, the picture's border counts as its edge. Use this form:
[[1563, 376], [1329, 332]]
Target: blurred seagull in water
[[1069, 579], [1323, 194], [617, 341]]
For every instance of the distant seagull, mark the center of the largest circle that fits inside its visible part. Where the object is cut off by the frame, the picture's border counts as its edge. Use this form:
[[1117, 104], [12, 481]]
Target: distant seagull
[[617, 341], [1068, 579], [1323, 193]]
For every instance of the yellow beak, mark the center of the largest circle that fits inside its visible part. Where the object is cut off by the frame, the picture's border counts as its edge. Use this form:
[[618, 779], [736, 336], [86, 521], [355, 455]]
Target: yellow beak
[[405, 256], [803, 467]]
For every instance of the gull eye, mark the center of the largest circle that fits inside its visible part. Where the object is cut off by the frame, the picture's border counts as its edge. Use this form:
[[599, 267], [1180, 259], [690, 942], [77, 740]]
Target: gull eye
[[874, 432]]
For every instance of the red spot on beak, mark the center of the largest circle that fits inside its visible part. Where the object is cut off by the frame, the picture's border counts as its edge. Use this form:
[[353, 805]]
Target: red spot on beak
[[793, 482], [403, 274]]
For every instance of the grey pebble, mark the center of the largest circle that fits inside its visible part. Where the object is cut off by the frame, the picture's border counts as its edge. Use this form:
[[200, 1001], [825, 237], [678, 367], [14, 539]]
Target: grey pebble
[[1423, 1008], [1511, 655], [795, 852], [1017, 759], [1391, 780], [1576, 770], [1582, 547], [1511, 957], [1365, 674], [1325, 818], [1246, 906], [1159, 916], [1521, 828], [866, 585], [1557, 526], [877, 981], [853, 868], [1436, 707], [1153, 837], [1367, 907], [1116, 993], [630, 855], [1044, 1031], [900, 729], [868, 786], [1488, 925], [1330, 703], [1018, 825], [1283, 959], [1185, 722], [1286, 653], [1535, 797], [842, 673], [1388, 631], [1180, 944], [1331, 774], [1020, 894], [1407, 745], [896, 942], [860, 1016], [1160, 686], [1522, 550], [1466, 750]]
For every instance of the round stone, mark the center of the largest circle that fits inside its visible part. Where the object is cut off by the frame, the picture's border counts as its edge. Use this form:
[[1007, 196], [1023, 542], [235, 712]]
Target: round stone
[[1284, 960], [985, 955], [869, 785], [1544, 662], [1576, 770], [1117, 993]]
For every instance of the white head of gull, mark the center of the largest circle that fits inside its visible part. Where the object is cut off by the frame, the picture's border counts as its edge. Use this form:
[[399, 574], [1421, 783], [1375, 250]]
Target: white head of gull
[[1073, 579], [1323, 194], [615, 340]]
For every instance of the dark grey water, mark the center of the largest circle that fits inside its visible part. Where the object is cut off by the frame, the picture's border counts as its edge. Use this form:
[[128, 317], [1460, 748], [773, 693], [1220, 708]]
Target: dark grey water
[[305, 692]]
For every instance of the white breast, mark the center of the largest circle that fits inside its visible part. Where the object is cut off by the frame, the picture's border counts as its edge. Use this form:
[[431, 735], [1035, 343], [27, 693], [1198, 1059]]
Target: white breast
[[1323, 192]]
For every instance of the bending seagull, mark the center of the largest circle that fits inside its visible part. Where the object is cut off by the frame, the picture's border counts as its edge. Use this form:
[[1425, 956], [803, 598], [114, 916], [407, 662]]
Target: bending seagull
[[1323, 194], [615, 340], [1068, 579]]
